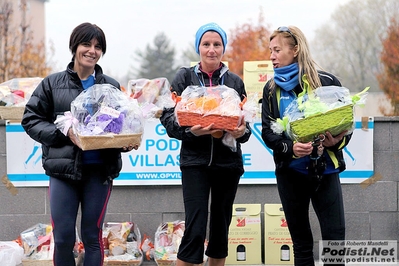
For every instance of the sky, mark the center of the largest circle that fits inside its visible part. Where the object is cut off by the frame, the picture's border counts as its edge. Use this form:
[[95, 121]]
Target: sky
[[131, 25]]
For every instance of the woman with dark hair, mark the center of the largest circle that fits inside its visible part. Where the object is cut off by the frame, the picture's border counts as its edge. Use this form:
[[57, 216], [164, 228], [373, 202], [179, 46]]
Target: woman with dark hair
[[77, 178]]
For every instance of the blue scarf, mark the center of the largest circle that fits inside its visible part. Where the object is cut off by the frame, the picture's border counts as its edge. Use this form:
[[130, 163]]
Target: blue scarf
[[287, 77]]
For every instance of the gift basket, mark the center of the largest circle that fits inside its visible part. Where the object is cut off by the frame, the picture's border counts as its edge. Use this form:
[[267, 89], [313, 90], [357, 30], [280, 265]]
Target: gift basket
[[203, 106], [167, 241], [14, 94], [314, 112], [38, 245], [103, 117], [152, 95], [122, 244]]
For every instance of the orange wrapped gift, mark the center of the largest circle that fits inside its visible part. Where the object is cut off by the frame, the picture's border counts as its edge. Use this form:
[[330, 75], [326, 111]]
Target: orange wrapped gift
[[220, 106]]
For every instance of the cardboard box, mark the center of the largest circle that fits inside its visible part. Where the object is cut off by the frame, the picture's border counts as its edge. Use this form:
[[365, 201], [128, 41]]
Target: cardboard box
[[245, 235], [256, 74], [278, 243]]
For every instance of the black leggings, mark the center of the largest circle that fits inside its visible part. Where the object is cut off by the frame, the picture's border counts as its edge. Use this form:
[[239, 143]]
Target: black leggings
[[296, 190], [65, 197], [198, 183]]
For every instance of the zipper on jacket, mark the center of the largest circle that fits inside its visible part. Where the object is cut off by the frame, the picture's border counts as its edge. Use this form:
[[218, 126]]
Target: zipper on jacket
[[211, 159]]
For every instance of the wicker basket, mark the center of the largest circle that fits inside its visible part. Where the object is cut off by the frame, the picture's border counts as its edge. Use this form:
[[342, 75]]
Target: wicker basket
[[219, 121], [37, 262], [122, 263], [335, 121], [165, 262], [109, 141], [11, 112]]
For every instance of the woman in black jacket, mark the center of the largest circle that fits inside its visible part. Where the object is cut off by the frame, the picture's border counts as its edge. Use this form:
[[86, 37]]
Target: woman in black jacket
[[208, 166], [301, 176], [76, 177]]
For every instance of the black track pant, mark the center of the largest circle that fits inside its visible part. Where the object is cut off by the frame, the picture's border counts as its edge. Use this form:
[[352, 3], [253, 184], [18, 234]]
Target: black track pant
[[296, 190], [65, 198]]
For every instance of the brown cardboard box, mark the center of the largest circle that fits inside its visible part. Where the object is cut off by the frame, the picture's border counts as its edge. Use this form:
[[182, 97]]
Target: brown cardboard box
[[256, 74], [245, 235], [278, 243]]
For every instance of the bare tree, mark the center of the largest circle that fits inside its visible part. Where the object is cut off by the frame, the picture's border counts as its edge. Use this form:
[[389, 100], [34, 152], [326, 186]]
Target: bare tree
[[349, 45], [5, 18], [19, 55]]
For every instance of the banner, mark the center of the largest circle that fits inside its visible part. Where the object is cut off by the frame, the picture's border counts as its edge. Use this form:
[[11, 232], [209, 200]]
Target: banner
[[156, 162]]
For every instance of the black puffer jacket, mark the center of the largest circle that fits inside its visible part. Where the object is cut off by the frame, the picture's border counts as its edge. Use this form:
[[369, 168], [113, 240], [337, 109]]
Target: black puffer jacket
[[281, 145], [52, 97], [204, 150]]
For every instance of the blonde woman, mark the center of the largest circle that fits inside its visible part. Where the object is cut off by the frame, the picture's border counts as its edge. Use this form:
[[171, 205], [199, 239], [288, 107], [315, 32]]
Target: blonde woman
[[301, 177]]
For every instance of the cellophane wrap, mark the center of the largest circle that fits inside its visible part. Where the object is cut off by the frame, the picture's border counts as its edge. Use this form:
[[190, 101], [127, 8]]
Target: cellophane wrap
[[168, 237], [167, 240], [220, 106], [16, 92], [104, 109], [36, 241], [122, 242], [327, 108], [11, 253], [151, 94], [38, 245], [220, 100]]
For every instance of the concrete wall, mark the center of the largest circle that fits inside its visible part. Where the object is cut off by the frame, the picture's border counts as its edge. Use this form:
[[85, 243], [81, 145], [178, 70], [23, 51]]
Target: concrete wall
[[371, 213]]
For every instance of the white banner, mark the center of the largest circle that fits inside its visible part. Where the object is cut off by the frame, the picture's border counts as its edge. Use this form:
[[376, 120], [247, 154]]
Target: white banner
[[156, 162]]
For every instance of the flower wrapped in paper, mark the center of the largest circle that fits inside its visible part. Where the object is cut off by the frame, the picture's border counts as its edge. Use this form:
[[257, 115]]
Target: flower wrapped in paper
[[104, 117], [203, 106], [152, 95], [314, 112]]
